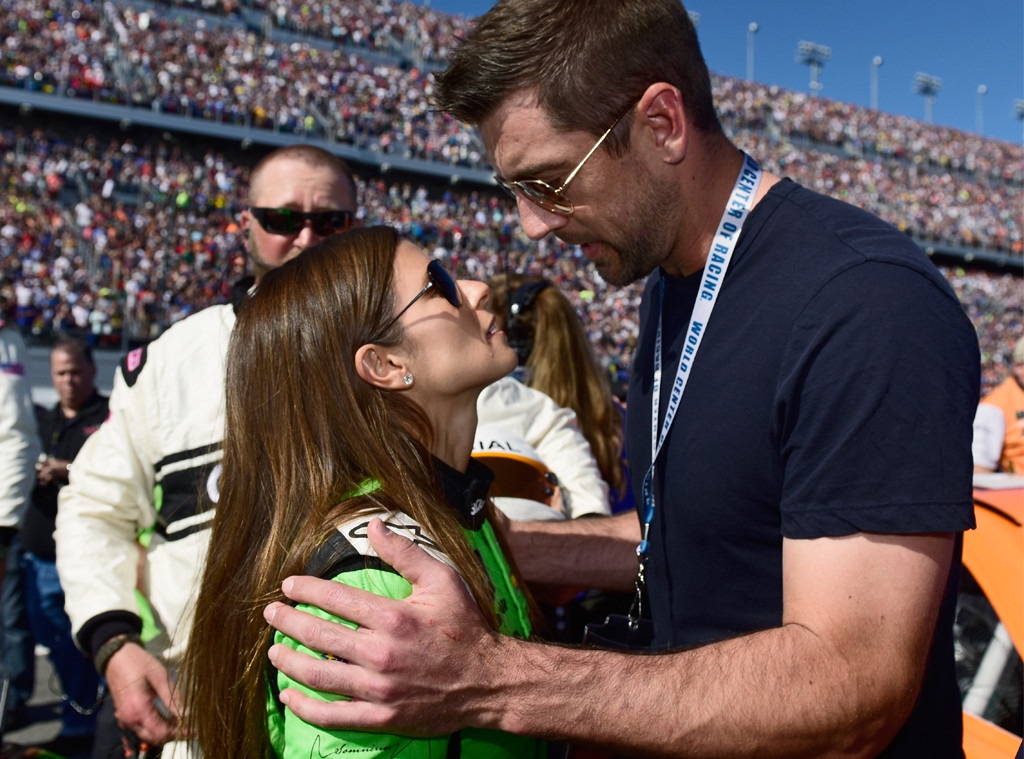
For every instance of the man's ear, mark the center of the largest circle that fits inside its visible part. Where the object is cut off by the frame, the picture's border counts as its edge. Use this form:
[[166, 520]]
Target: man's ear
[[377, 367], [664, 112], [245, 222]]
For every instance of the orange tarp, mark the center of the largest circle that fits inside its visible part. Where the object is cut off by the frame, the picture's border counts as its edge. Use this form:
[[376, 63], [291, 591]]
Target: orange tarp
[[994, 553]]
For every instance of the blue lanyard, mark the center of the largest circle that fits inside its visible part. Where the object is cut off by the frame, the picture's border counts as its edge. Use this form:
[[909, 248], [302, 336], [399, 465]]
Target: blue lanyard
[[719, 256]]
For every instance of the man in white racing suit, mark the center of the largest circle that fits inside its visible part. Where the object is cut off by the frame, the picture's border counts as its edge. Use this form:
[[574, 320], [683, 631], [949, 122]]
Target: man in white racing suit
[[19, 451], [131, 517]]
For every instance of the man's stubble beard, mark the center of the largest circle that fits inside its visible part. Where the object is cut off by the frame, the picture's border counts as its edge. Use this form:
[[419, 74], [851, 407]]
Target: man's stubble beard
[[647, 246], [258, 263]]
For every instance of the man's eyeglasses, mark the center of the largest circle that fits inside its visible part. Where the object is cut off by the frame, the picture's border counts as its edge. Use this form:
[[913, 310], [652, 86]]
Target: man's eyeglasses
[[288, 221], [550, 198], [437, 276]]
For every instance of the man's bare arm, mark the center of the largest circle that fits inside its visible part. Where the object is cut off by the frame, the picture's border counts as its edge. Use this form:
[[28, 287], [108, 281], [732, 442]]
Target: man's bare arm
[[594, 552], [838, 677]]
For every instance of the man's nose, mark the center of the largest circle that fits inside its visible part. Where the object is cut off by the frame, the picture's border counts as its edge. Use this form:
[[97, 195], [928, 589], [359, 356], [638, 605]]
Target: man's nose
[[306, 236], [536, 221]]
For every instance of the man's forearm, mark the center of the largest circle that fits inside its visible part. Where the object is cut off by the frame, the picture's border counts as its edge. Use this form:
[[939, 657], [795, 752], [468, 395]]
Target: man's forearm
[[594, 552], [838, 677], [777, 693]]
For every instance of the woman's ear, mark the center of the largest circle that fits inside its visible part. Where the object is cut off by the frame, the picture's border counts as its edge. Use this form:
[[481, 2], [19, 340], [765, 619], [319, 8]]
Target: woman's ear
[[377, 367]]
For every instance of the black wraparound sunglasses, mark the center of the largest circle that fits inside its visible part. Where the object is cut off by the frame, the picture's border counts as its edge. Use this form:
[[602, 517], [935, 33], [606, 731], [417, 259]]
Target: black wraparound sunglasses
[[288, 221], [437, 276]]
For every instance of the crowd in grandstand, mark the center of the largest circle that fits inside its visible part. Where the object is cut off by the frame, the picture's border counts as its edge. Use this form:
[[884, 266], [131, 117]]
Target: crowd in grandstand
[[937, 183], [152, 233], [380, 25], [996, 306], [85, 220], [110, 236]]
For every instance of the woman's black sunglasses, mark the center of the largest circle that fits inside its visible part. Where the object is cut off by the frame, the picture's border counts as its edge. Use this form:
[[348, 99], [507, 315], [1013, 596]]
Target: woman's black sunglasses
[[288, 221], [437, 276]]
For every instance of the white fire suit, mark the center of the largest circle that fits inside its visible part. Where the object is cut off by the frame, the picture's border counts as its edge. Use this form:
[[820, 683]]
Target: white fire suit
[[19, 440], [141, 478]]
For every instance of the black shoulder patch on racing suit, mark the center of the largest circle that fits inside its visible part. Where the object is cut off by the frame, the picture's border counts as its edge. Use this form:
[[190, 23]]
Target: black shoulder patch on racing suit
[[336, 555], [132, 364]]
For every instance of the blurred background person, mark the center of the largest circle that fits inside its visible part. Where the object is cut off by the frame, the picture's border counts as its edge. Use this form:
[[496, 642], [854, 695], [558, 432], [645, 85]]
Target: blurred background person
[[999, 422], [63, 429], [19, 450], [555, 356]]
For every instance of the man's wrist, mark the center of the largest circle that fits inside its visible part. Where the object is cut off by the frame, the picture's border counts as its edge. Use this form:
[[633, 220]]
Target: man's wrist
[[106, 652]]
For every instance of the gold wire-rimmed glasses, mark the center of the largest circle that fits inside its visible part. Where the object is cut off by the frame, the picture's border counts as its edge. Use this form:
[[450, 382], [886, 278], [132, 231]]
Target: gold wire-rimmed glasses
[[550, 198]]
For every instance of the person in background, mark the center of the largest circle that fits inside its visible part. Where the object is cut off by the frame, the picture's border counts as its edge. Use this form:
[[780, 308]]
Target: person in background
[[136, 483], [19, 451], [799, 432], [63, 429], [352, 378], [556, 357], [999, 422]]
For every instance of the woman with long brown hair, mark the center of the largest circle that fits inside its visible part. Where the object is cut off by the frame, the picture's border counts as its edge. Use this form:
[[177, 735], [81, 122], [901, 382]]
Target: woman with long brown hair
[[352, 378], [557, 358]]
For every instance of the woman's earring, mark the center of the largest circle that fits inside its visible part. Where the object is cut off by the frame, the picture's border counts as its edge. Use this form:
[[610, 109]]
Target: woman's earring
[[408, 379]]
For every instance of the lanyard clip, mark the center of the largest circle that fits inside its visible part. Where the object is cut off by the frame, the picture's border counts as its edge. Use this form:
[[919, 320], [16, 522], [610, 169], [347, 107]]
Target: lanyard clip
[[644, 544]]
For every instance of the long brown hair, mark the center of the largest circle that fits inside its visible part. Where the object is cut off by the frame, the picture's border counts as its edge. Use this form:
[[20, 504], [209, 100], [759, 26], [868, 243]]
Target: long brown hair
[[562, 364], [302, 431]]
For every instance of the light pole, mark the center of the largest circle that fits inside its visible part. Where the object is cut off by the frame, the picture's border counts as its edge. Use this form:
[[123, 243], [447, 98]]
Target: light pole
[[814, 55], [876, 63], [752, 28], [979, 122], [929, 86]]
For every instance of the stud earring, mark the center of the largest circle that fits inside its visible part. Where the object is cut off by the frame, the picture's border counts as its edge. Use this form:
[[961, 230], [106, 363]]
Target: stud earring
[[408, 380]]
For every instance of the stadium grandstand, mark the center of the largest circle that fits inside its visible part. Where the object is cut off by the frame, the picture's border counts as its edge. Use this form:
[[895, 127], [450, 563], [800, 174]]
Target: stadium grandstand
[[127, 129]]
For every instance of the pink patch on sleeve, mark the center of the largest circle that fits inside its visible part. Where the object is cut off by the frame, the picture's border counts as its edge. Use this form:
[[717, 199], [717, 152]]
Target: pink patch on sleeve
[[134, 359]]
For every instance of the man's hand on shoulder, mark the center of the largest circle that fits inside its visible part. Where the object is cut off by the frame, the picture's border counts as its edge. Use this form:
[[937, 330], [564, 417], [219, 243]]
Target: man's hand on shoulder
[[382, 664]]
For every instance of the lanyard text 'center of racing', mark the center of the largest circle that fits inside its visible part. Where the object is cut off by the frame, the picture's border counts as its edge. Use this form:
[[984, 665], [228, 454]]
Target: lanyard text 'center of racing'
[[719, 255]]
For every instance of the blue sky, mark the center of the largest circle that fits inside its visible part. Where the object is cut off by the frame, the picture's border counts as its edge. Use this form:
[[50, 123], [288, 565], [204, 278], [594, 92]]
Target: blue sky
[[965, 45]]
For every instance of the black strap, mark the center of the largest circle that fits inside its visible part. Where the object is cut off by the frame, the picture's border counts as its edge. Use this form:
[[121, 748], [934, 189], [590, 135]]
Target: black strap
[[454, 746], [334, 556]]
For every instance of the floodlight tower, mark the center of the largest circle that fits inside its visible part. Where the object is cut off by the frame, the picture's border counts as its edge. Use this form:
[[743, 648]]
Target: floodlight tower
[[814, 55], [876, 63], [980, 109], [752, 28], [929, 86]]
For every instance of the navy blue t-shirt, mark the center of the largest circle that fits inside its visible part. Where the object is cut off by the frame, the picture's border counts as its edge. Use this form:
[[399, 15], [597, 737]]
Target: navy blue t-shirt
[[833, 393]]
